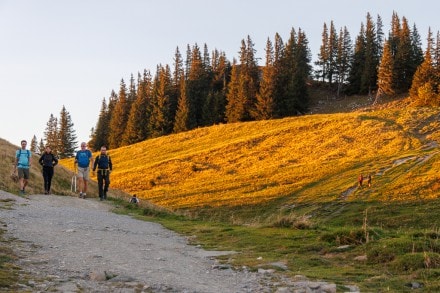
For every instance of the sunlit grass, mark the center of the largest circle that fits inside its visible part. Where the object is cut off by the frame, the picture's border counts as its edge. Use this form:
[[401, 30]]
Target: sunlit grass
[[309, 158]]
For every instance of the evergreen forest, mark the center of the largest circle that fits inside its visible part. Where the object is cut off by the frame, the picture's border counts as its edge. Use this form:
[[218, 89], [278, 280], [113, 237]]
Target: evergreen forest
[[204, 88]]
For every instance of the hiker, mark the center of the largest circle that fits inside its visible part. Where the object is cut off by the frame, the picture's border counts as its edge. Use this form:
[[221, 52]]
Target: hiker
[[22, 165], [134, 199], [360, 180], [82, 164], [48, 160], [369, 180], [104, 164]]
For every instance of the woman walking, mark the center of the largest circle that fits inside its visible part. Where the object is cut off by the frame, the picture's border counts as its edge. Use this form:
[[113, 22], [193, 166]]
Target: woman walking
[[48, 161]]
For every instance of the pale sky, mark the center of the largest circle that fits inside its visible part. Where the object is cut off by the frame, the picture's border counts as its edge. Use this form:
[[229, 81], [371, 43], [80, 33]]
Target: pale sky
[[74, 53]]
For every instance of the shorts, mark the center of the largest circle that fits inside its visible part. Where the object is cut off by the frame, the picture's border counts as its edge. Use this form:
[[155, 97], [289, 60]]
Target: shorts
[[84, 173], [23, 173]]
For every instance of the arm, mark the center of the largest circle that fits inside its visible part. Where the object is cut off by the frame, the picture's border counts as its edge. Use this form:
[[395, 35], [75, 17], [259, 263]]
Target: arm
[[110, 165], [95, 163], [54, 160], [41, 160]]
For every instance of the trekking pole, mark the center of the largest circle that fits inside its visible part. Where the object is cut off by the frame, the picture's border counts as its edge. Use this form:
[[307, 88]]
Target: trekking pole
[[73, 183]]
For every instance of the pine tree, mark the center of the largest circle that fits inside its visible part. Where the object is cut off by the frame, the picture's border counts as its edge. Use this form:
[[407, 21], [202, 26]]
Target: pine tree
[[160, 121], [372, 58], [138, 120], [66, 135], [221, 70], [101, 132], [34, 145], [265, 105], [323, 56], [184, 121], [424, 83], [234, 105], [51, 134], [358, 63], [41, 147], [119, 118], [343, 59]]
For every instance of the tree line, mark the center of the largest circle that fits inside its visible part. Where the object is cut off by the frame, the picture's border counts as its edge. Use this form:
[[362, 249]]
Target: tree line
[[205, 88]]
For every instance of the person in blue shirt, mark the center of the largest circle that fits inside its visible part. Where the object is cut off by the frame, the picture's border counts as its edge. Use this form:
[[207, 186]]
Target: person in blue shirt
[[23, 164], [83, 162], [105, 167]]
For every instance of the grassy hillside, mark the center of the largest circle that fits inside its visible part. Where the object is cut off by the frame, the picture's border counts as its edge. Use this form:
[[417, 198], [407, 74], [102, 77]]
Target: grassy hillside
[[285, 191], [293, 160]]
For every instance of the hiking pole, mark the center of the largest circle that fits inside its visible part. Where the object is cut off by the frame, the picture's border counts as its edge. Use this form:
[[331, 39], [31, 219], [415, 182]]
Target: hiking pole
[[73, 182]]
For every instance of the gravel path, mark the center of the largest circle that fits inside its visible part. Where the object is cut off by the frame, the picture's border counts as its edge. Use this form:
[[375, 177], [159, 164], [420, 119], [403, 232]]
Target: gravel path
[[67, 244]]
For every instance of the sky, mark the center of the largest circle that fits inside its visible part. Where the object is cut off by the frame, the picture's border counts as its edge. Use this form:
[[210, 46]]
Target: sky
[[56, 53]]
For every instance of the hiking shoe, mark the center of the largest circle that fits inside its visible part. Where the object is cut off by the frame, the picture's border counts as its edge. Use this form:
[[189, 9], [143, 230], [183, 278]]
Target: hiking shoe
[[84, 195], [80, 195]]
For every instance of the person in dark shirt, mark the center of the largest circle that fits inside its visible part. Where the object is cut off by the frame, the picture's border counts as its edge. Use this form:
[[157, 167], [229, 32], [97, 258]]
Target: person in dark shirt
[[104, 164], [48, 160]]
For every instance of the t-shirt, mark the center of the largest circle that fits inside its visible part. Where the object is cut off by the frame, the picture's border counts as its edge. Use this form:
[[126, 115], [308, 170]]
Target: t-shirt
[[23, 157], [83, 158]]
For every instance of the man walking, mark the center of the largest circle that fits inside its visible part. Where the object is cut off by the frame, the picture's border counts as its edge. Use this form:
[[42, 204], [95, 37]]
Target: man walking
[[83, 161], [23, 164], [104, 164]]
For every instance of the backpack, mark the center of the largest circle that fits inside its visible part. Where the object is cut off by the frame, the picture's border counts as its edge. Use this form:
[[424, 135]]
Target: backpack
[[103, 162], [23, 158]]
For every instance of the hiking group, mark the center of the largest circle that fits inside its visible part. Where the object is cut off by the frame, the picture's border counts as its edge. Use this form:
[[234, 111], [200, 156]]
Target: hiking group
[[83, 162]]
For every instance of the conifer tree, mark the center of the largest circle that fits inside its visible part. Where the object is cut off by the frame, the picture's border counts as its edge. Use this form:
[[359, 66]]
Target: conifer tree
[[41, 146], [424, 83], [385, 82], [403, 59], [234, 105], [51, 133], [323, 56], [101, 132], [34, 145], [161, 122], [343, 59], [358, 63], [119, 117], [184, 121], [66, 135], [372, 58], [248, 79], [265, 104], [221, 69], [137, 125]]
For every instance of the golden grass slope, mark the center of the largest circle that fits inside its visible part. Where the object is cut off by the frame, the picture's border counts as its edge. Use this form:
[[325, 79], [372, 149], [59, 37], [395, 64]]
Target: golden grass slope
[[307, 158]]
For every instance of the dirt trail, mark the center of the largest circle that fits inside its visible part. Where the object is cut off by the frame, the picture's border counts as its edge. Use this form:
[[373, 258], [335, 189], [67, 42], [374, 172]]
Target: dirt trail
[[72, 245]]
